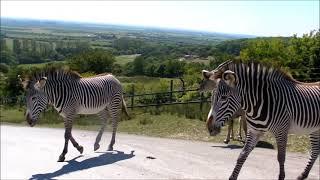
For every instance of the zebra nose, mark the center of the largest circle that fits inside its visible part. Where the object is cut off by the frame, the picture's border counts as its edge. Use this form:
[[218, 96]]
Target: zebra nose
[[29, 120]]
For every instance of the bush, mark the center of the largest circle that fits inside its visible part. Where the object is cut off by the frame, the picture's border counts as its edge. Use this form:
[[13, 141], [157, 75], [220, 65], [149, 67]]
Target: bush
[[97, 61]]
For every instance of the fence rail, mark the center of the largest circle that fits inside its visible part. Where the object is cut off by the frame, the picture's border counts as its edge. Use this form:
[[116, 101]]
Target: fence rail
[[160, 101]]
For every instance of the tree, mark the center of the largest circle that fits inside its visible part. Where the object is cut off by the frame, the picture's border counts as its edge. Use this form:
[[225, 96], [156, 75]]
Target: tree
[[34, 47], [16, 46], [7, 58], [12, 85], [138, 65], [4, 68], [97, 60], [3, 46], [174, 68], [25, 45]]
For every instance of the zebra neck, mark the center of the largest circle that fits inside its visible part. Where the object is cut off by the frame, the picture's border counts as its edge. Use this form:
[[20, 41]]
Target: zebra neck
[[56, 93], [248, 101]]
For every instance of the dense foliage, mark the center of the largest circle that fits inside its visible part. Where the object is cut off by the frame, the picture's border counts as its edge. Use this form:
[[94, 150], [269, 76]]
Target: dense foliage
[[300, 56], [97, 61]]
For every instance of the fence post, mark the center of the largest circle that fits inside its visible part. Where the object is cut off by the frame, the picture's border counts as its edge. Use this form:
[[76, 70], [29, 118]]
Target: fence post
[[132, 96], [201, 104], [171, 89]]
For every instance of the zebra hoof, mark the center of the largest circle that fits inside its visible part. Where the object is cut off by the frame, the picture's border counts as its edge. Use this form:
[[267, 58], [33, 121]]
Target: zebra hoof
[[226, 141], [80, 149], [110, 148], [61, 158], [96, 147]]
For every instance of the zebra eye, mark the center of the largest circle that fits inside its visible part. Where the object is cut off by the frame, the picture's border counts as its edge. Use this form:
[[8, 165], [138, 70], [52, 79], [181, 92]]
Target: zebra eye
[[33, 98]]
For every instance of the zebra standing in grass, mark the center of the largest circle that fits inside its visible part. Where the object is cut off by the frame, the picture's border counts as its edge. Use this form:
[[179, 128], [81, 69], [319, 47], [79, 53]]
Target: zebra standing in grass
[[71, 95], [209, 83], [273, 101]]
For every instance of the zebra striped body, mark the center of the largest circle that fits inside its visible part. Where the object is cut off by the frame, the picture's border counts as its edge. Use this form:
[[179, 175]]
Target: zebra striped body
[[273, 101], [88, 95], [70, 95]]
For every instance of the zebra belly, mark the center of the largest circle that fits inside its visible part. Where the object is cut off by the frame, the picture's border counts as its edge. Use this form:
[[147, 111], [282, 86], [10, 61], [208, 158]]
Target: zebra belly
[[296, 129], [86, 110]]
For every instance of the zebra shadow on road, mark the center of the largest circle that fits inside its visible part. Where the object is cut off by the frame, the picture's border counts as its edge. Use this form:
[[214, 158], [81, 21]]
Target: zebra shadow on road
[[73, 165], [260, 144]]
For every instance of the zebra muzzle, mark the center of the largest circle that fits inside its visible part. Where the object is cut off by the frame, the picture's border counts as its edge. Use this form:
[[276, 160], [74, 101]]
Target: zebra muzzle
[[30, 121]]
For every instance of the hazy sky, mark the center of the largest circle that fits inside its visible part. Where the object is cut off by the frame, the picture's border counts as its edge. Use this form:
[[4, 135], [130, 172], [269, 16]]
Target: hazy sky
[[243, 17]]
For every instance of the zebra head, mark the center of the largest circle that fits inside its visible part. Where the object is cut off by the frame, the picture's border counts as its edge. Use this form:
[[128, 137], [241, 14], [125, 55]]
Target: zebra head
[[36, 100], [225, 103]]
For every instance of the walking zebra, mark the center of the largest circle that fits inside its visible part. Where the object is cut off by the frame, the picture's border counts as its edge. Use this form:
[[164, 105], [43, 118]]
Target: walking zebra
[[209, 83], [71, 95], [273, 101]]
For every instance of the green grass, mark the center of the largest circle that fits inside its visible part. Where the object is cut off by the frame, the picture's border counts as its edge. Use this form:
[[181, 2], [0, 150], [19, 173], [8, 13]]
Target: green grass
[[164, 125], [124, 59]]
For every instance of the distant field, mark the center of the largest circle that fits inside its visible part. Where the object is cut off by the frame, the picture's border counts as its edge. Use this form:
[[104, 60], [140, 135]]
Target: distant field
[[124, 59], [53, 30], [204, 61]]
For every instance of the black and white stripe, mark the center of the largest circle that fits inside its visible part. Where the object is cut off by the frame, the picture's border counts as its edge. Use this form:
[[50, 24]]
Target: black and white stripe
[[71, 95], [273, 101]]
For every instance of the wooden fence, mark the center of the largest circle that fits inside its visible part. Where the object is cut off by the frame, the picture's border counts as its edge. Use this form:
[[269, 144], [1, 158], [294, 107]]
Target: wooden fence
[[132, 99], [168, 101]]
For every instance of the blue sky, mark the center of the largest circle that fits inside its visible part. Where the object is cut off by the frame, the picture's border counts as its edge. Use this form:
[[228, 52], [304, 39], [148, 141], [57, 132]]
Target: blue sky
[[262, 18]]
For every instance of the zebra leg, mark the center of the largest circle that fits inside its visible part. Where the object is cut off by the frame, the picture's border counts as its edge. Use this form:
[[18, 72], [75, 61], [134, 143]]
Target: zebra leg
[[243, 121], [76, 145], [281, 139], [315, 151], [115, 109], [67, 135], [227, 140], [232, 134], [103, 116], [240, 129], [252, 139], [244, 124]]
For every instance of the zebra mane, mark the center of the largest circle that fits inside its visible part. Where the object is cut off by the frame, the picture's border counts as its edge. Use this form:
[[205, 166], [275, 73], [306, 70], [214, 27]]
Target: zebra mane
[[268, 68], [52, 73]]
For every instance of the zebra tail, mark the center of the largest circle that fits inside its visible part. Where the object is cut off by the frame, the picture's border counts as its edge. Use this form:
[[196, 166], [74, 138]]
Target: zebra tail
[[124, 108]]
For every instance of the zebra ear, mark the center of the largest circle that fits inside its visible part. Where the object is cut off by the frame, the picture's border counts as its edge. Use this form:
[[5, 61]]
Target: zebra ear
[[230, 78], [40, 84], [206, 74]]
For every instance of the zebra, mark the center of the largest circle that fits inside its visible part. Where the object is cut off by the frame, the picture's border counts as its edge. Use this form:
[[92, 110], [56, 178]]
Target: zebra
[[209, 83], [70, 94], [273, 101]]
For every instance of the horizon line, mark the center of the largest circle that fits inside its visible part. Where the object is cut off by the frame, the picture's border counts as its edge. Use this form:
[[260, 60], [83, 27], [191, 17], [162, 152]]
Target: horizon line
[[140, 26]]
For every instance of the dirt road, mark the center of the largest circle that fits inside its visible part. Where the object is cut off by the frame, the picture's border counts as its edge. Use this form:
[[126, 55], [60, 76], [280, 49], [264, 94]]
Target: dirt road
[[32, 153]]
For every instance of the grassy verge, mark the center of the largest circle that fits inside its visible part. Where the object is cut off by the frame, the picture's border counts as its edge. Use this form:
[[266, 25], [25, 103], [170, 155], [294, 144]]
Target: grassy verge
[[164, 125]]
